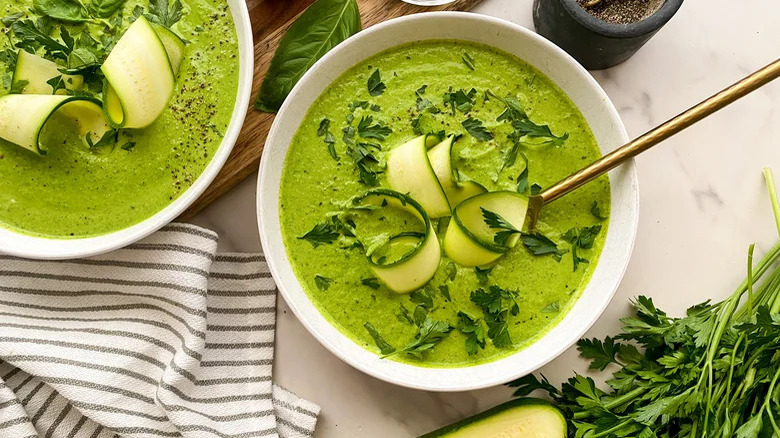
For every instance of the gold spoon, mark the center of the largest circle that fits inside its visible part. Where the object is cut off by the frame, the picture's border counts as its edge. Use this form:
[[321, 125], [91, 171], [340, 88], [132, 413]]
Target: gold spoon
[[650, 139]]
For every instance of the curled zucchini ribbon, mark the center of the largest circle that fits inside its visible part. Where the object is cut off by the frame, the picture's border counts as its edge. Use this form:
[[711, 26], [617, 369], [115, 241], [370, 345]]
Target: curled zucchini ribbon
[[470, 241], [416, 267], [140, 79]]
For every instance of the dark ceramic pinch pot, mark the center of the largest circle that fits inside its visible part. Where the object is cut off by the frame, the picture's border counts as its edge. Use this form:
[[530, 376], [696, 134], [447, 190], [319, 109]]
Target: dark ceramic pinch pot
[[596, 43]]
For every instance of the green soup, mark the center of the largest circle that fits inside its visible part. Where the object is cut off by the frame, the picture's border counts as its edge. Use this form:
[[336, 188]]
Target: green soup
[[76, 192], [315, 186]]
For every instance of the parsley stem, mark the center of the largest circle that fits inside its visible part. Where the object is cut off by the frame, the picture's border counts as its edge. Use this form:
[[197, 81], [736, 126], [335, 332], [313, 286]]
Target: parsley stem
[[617, 401], [770, 184]]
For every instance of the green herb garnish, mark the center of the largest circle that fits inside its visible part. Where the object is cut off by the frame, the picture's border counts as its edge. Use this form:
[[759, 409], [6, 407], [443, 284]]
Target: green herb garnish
[[422, 297], [384, 348], [581, 238], [474, 127], [322, 233], [538, 244], [596, 211], [403, 315], [497, 304], [371, 282], [535, 189], [358, 104], [375, 84], [496, 222], [460, 100], [553, 307], [323, 283], [56, 83], [163, 14], [431, 333], [445, 292], [17, 87], [482, 273], [376, 131], [468, 60], [323, 128], [475, 333], [128, 146]]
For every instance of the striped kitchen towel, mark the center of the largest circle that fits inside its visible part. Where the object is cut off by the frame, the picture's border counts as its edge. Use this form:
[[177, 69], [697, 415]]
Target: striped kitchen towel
[[165, 338]]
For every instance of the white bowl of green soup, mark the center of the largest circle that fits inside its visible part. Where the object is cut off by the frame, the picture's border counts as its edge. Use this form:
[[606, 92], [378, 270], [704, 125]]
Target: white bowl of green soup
[[116, 121], [392, 196]]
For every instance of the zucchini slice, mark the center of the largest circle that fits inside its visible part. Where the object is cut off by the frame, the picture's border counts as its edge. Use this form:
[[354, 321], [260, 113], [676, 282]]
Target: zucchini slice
[[413, 269], [36, 71], [519, 418], [23, 116], [174, 46], [139, 78], [440, 157], [469, 240], [410, 171]]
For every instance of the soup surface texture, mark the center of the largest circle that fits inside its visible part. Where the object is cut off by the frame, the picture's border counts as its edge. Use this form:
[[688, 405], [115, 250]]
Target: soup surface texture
[[75, 191], [421, 83]]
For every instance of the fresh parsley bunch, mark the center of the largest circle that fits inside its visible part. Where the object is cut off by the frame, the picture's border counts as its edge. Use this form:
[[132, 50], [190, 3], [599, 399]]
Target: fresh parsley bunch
[[713, 373]]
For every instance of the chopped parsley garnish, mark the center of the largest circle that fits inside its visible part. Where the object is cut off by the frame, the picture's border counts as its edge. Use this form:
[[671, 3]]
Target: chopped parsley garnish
[[535, 189], [109, 138], [468, 60], [445, 292], [431, 333], [161, 13], [539, 244], [496, 222], [376, 108], [349, 134], [384, 348], [375, 84], [474, 331], [596, 211], [128, 146], [525, 127], [322, 233], [522, 125], [419, 315], [323, 128], [421, 90], [460, 100], [376, 131], [367, 163], [56, 83], [323, 283], [358, 104], [452, 270], [581, 238], [371, 282], [474, 127], [482, 274], [403, 315], [423, 297], [497, 304], [522, 179]]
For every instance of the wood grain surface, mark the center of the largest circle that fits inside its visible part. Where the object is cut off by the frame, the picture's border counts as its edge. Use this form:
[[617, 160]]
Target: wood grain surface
[[270, 19]]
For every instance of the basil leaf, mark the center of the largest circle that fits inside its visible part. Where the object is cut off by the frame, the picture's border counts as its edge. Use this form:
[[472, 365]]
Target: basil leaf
[[106, 8], [321, 27], [70, 11]]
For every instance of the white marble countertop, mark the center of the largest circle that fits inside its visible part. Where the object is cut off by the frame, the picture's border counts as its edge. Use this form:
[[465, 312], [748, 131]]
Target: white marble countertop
[[702, 203]]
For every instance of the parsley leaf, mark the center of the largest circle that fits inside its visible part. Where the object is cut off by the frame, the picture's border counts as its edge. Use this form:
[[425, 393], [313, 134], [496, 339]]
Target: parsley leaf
[[403, 315], [482, 274], [475, 333], [468, 60], [497, 222], [8, 20], [596, 211], [553, 307], [128, 146], [431, 333], [371, 282], [452, 271], [531, 129], [600, 353], [367, 163], [384, 348], [161, 13], [538, 244], [375, 85], [581, 238], [423, 298], [322, 233], [36, 34], [535, 189], [445, 292], [376, 131], [109, 138], [323, 128], [57, 83], [496, 304], [460, 100], [323, 283], [474, 127]]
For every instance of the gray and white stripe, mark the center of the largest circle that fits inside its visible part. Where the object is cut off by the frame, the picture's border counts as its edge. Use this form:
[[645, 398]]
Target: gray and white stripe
[[165, 338]]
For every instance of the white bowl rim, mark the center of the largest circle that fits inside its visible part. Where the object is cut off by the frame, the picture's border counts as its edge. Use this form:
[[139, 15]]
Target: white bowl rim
[[296, 297], [42, 248]]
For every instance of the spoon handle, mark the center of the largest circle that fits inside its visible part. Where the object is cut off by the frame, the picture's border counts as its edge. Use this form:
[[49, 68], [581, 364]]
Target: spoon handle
[[662, 132]]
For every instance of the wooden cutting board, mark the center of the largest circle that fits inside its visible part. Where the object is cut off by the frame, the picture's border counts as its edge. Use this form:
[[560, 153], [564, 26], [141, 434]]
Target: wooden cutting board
[[270, 19]]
